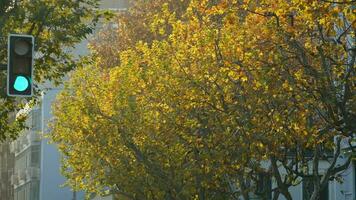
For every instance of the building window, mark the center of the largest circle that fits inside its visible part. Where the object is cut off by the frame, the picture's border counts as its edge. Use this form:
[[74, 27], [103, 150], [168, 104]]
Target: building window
[[21, 161], [308, 188], [29, 191], [117, 4], [36, 120], [35, 190], [20, 194], [35, 156]]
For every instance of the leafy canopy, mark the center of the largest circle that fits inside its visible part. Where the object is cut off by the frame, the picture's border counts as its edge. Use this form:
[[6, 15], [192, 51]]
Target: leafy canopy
[[217, 90]]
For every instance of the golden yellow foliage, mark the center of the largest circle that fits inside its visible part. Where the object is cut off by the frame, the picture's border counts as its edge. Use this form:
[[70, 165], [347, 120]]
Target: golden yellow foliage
[[233, 84]]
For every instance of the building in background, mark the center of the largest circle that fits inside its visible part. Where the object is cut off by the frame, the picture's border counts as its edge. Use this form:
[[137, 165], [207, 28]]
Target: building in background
[[6, 171], [30, 166], [25, 179]]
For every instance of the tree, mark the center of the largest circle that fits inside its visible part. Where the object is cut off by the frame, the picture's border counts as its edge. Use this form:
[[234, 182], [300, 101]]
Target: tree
[[135, 25], [314, 64], [57, 26], [236, 88]]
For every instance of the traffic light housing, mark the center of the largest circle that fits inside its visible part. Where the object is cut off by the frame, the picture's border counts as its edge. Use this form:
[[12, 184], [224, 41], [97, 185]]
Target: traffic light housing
[[20, 65]]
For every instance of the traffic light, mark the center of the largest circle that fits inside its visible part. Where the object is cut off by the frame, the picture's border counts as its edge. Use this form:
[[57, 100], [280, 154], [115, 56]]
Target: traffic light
[[19, 67]]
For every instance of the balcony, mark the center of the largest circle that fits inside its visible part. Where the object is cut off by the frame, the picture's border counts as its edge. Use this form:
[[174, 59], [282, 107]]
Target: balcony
[[32, 173], [15, 146], [14, 179], [21, 177], [33, 137], [26, 140]]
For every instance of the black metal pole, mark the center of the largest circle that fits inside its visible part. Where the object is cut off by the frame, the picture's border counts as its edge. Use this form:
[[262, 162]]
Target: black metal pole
[[3, 66]]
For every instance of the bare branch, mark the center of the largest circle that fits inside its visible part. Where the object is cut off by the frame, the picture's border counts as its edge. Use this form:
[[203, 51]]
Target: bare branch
[[338, 2]]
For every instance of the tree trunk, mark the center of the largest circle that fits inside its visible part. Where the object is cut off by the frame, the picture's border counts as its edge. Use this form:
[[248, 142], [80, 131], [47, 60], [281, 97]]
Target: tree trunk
[[282, 187], [243, 187], [276, 195], [286, 193], [315, 196]]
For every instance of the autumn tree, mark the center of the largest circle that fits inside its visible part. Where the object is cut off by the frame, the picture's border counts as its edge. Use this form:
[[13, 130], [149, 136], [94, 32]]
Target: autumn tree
[[138, 24], [57, 26], [226, 91], [308, 52]]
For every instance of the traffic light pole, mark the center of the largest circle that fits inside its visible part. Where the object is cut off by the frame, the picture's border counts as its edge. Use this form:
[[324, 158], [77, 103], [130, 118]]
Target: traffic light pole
[[3, 67]]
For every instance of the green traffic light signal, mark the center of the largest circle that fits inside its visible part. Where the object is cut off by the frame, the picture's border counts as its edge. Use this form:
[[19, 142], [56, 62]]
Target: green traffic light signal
[[20, 62], [21, 83]]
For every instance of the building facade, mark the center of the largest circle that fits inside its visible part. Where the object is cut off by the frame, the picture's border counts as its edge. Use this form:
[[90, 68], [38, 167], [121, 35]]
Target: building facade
[[27, 153], [6, 171]]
